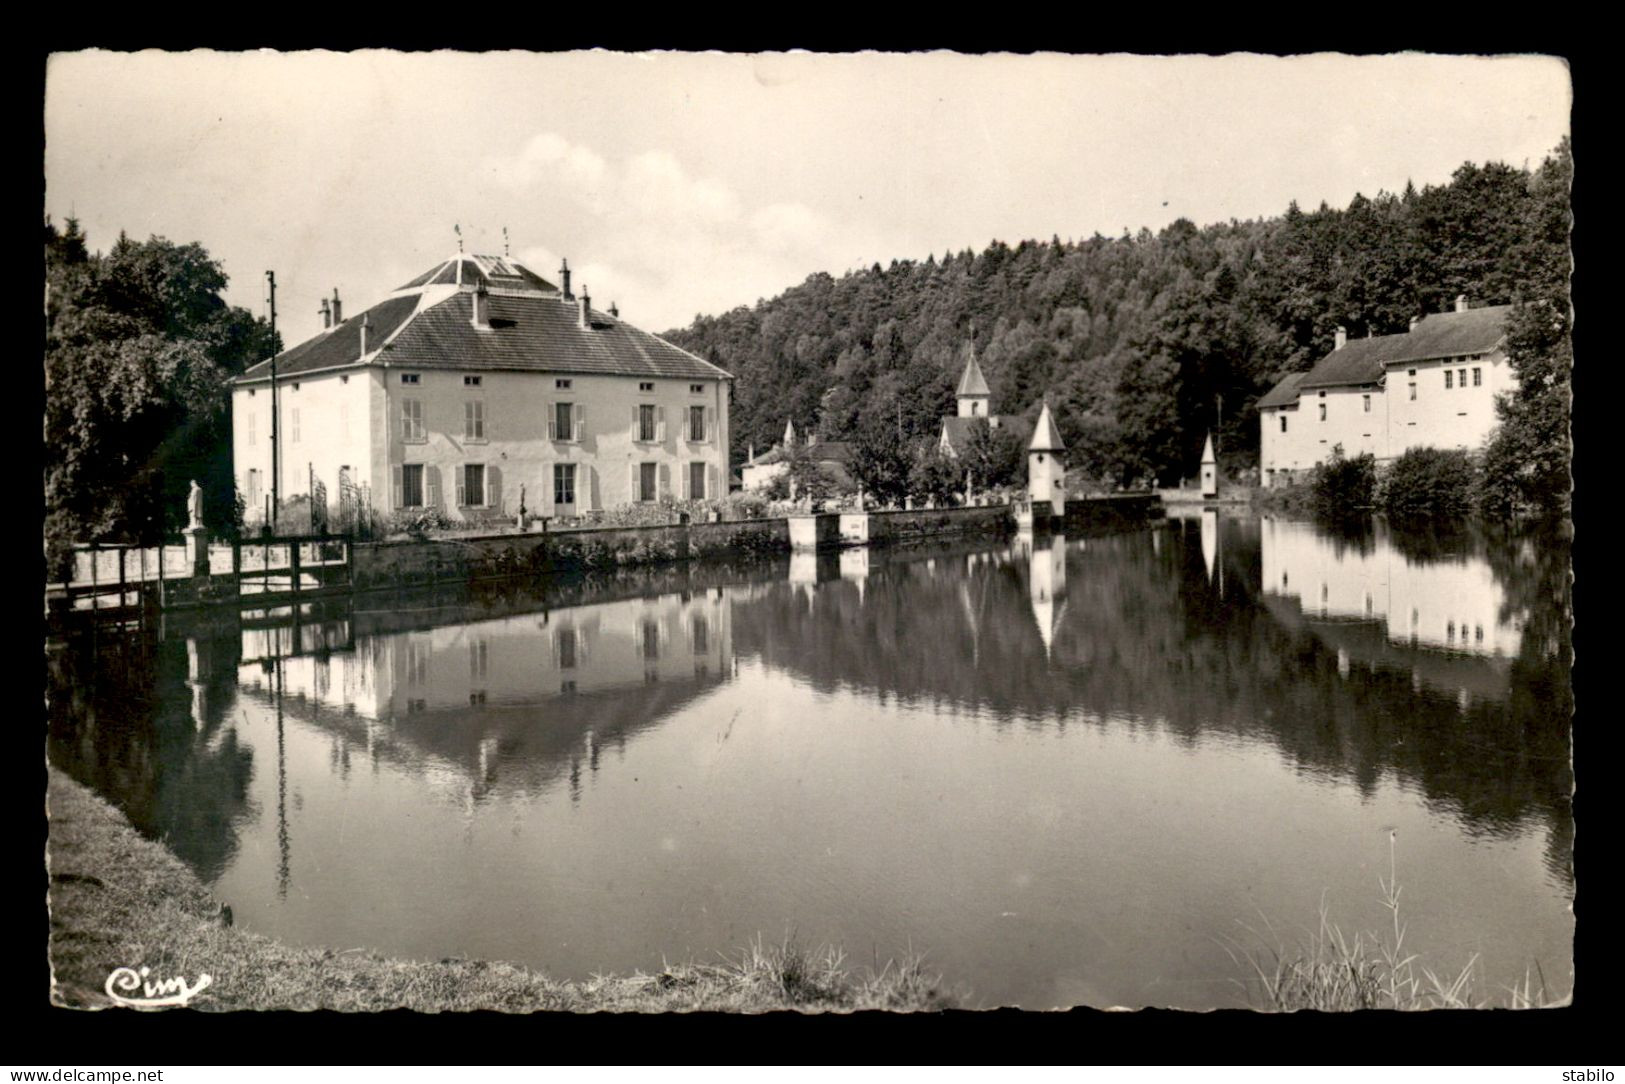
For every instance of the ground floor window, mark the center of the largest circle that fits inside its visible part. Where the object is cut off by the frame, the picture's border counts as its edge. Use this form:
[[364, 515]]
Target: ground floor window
[[696, 481], [646, 482], [564, 483], [471, 488], [412, 485]]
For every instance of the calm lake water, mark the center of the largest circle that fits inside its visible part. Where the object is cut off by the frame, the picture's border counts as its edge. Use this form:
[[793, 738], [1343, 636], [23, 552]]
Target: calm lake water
[[1076, 772]]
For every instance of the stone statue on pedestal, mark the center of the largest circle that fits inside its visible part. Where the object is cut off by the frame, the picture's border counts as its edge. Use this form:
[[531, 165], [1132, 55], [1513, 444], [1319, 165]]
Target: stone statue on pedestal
[[194, 507]]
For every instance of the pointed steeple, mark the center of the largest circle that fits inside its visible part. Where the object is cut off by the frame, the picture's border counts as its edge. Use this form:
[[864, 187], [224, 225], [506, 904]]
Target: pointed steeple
[[973, 382], [1207, 450], [789, 434], [974, 395], [1046, 438]]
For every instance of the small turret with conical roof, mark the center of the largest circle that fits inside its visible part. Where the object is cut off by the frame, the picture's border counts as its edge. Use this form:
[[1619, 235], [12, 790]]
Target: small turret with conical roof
[[1046, 475], [974, 395], [1210, 470]]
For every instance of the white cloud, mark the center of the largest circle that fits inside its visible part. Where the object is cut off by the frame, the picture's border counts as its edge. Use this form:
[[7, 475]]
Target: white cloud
[[659, 240], [789, 226]]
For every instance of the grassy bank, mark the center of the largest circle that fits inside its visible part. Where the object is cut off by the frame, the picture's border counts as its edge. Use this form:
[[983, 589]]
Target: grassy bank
[[119, 900]]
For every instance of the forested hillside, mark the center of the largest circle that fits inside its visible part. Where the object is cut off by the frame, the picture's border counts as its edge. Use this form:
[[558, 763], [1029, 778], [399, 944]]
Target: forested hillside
[[1143, 342]]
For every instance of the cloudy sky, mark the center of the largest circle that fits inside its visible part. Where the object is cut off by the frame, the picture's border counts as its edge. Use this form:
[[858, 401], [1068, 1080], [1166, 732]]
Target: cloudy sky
[[679, 184]]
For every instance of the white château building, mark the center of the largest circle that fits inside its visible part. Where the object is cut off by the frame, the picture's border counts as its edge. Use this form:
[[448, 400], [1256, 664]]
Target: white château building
[[474, 386], [1432, 386]]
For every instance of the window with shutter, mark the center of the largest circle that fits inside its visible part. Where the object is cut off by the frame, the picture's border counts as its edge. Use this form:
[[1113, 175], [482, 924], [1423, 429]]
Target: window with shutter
[[431, 483], [660, 424], [696, 481], [493, 488]]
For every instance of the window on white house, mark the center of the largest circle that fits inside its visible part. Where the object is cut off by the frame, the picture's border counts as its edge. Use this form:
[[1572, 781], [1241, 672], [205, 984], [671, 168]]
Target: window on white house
[[472, 381], [1461, 377], [564, 483], [250, 420], [252, 495], [1366, 401], [696, 389], [566, 639], [1283, 423], [1448, 376], [1478, 377], [412, 485], [474, 419], [1323, 412], [473, 486], [412, 419], [646, 423], [563, 421], [411, 378], [647, 482], [1413, 389], [293, 430], [647, 385], [696, 481], [562, 385], [696, 423]]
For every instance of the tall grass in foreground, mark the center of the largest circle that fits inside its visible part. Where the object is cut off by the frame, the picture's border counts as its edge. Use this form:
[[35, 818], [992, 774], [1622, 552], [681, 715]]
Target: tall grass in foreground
[[1330, 971], [787, 975]]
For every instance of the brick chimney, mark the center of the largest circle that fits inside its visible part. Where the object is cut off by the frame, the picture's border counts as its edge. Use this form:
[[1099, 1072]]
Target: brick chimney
[[338, 310], [614, 311], [564, 280], [1414, 321], [327, 314], [1342, 336], [1461, 302], [366, 326], [482, 308], [583, 316]]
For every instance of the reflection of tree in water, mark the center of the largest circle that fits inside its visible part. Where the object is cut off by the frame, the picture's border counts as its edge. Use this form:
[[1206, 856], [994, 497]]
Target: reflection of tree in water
[[121, 723], [1150, 640]]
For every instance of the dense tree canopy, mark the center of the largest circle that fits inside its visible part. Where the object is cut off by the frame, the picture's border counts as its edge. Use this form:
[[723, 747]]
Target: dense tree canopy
[[139, 349], [1146, 342]]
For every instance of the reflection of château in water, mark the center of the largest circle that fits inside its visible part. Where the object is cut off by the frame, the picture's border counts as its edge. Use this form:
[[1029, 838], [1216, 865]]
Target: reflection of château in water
[[1454, 604], [536, 691]]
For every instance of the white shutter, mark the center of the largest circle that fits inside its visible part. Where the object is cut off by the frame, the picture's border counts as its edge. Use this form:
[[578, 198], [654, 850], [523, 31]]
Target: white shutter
[[399, 497], [634, 421], [711, 490], [710, 424], [580, 420], [493, 488], [632, 482], [552, 421], [462, 495], [587, 487], [663, 480], [660, 424], [431, 485], [682, 469]]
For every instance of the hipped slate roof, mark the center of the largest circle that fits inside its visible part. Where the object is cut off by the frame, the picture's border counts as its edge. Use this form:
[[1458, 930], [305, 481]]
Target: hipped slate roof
[[428, 325], [1284, 394], [821, 452], [1438, 335], [958, 430]]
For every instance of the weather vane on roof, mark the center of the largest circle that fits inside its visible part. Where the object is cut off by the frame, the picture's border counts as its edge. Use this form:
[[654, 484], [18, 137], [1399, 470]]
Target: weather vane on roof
[[458, 230], [504, 242]]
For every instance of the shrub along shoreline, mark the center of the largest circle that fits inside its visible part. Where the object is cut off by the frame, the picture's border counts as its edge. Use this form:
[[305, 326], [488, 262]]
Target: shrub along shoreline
[[119, 900]]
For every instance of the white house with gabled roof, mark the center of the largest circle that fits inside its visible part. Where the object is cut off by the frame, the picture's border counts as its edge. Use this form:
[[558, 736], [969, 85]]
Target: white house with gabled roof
[[1432, 386], [479, 385]]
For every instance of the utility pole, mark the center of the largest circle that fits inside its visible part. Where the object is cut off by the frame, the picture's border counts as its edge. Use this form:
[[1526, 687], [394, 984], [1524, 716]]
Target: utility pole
[[276, 453]]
